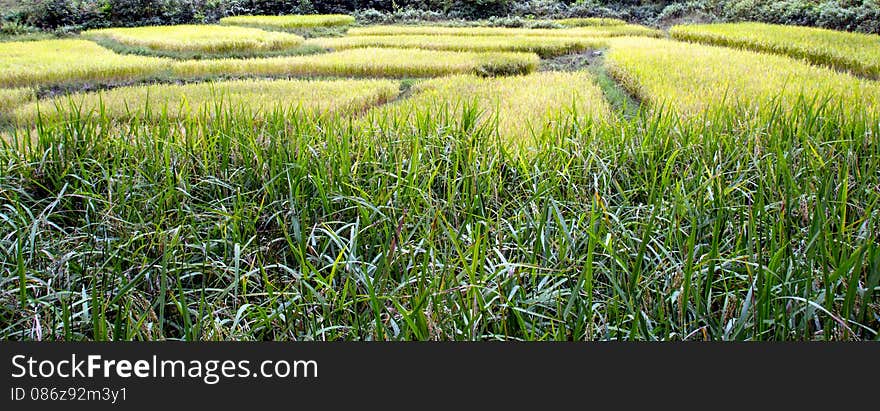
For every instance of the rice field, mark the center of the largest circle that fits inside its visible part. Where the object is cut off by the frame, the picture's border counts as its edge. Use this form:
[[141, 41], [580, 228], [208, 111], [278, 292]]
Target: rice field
[[516, 108], [855, 52], [43, 62], [590, 21], [664, 73], [289, 22], [11, 98], [593, 31], [367, 62], [543, 46], [198, 38], [250, 98], [439, 183]]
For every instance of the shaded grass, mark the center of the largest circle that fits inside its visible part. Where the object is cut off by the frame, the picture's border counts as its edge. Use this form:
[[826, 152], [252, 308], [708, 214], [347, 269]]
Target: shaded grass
[[296, 228]]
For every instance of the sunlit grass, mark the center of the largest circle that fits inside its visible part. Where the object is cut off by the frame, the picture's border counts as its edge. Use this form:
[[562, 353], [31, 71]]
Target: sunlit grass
[[856, 52]]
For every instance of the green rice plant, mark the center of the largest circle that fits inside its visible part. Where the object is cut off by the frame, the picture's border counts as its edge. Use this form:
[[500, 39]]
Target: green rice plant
[[290, 22], [594, 31], [517, 108], [693, 78], [70, 61], [589, 22], [856, 52], [212, 39], [253, 98], [543, 46], [369, 62], [296, 228], [11, 98]]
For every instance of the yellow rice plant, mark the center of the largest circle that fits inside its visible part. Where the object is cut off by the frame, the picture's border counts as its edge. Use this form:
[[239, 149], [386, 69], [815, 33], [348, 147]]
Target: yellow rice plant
[[290, 22], [251, 97], [369, 62], [70, 61], [692, 78], [11, 98], [594, 31], [517, 108], [856, 52], [590, 21], [198, 38], [543, 46]]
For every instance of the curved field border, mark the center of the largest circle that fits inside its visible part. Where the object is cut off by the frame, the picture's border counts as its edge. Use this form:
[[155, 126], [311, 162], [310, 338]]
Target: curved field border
[[254, 98], [290, 22], [855, 52], [543, 46], [592, 31], [663, 73], [73, 62]]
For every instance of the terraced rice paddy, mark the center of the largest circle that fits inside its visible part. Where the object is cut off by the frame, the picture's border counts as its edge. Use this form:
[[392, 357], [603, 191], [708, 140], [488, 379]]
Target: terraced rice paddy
[[590, 21], [652, 189], [368, 62], [70, 61], [10, 98], [543, 46], [289, 22], [594, 31], [516, 108], [663, 72], [251, 98], [198, 38], [855, 52]]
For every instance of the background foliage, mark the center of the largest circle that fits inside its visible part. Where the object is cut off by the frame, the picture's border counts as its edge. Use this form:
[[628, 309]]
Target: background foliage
[[73, 15]]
